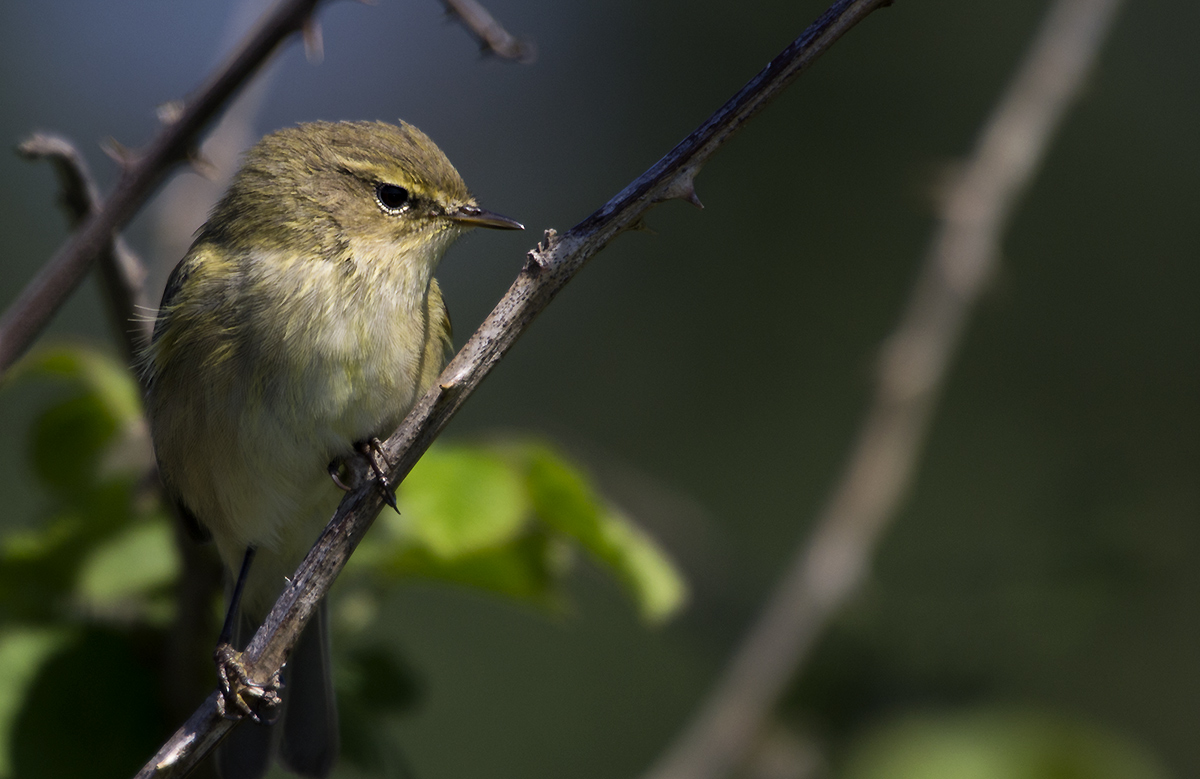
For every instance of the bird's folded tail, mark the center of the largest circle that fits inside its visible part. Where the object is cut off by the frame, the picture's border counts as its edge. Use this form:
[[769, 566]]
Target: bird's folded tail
[[308, 744]]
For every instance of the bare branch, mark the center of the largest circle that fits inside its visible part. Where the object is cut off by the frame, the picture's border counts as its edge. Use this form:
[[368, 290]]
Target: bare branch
[[490, 33], [828, 569], [546, 271], [121, 271], [143, 171]]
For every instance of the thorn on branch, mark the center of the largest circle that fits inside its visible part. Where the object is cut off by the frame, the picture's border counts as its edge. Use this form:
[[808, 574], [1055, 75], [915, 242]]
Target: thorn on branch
[[119, 153], [451, 385], [168, 113], [684, 188], [640, 226], [203, 165]]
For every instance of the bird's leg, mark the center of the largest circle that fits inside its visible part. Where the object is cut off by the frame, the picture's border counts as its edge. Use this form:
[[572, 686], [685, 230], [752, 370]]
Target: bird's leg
[[235, 602], [347, 476], [238, 690]]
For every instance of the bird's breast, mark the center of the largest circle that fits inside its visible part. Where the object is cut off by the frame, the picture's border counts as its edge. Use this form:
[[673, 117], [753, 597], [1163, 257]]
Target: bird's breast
[[350, 361]]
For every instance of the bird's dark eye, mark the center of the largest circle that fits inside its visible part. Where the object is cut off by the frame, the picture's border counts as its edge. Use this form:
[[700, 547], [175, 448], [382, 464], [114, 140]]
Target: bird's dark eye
[[391, 197]]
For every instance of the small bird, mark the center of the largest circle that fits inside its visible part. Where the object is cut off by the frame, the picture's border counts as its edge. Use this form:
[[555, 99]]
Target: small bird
[[300, 327]]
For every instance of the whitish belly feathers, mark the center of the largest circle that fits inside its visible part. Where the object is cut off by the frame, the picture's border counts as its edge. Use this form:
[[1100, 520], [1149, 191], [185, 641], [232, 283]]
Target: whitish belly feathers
[[250, 442]]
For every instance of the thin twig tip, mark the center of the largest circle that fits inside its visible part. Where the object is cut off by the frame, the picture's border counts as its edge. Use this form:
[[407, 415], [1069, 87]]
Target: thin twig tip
[[40, 145], [314, 41], [32, 147]]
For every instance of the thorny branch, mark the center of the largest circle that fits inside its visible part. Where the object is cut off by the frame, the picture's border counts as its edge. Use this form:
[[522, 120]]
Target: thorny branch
[[829, 569], [142, 171], [546, 271]]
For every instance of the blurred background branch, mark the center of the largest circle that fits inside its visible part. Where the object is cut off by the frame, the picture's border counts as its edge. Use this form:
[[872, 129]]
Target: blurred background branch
[[831, 566], [142, 172], [121, 271], [490, 33]]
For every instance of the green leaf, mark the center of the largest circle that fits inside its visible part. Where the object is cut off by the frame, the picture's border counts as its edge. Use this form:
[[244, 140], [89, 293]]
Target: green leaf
[[526, 568], [67, 443], [88, 446], [88, 368], [460, 500], [998, 744], [22, 653], [565, 501], [93, 433], [465, 517], [37, 568], [130, 566]]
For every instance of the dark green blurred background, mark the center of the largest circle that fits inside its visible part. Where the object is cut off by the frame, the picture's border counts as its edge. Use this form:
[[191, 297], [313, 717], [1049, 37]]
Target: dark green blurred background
[[712, 375]]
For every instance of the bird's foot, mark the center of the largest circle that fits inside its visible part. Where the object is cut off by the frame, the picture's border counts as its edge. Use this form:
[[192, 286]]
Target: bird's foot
[[240, 695], [349, 472]]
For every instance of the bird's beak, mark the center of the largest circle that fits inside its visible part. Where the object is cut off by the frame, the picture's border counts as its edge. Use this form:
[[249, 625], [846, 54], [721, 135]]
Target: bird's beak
[[474, 216]]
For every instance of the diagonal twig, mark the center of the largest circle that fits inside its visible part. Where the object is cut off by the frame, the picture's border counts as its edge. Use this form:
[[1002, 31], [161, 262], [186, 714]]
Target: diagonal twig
[[827, 570], [546, 271], [143, 171]]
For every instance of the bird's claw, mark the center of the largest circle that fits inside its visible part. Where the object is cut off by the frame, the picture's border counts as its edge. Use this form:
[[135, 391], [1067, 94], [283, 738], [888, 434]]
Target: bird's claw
[[241, 696], [372, 451], [348, 472], [335, 469]]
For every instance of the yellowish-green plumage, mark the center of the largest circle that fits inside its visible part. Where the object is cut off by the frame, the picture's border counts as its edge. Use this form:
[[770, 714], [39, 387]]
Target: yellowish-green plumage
[[305, 319]]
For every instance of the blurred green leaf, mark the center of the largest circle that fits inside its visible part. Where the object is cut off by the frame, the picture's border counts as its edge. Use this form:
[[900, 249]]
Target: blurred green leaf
[[22, 653], [460, 500], [96, 432], [132, 565], [565, 501], [467, 516], [88, 368], [525, 568], [67, 442], [998, 745], [88, 446], [39, 567]]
